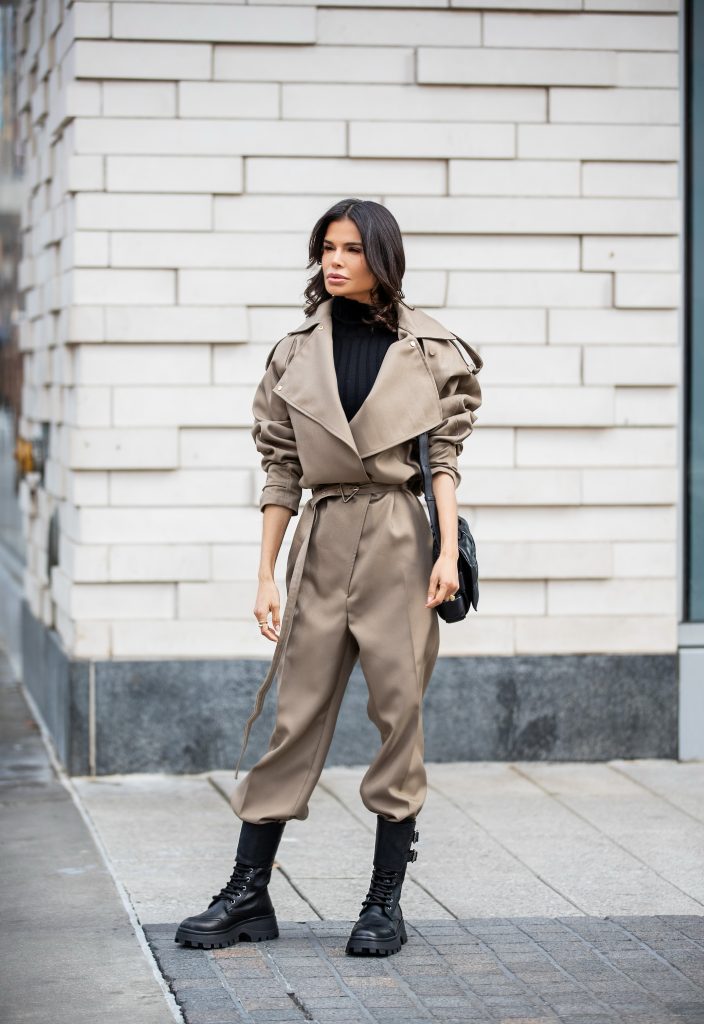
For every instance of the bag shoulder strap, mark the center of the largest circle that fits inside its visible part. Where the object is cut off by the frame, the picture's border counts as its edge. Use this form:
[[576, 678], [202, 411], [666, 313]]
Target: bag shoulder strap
[[428, 490], [423, 451]]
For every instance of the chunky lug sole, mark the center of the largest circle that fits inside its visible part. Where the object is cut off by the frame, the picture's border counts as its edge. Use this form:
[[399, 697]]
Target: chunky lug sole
[[255, 930], [377, 947]]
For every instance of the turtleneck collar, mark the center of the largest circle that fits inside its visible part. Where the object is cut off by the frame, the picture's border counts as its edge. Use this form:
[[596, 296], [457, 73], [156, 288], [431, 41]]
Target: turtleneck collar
[[350, 311]]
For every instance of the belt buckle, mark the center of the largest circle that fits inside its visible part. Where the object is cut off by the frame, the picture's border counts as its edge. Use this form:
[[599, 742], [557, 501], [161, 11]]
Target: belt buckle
[[351, 495]]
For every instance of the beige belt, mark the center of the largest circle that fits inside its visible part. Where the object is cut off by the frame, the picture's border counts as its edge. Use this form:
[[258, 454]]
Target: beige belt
[[344, 491]]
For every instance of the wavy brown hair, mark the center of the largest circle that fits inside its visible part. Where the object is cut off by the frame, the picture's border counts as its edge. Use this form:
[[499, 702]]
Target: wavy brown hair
[[383, 250]]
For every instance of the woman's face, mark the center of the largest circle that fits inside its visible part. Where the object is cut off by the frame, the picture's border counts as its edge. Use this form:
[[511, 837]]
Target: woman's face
[[344, 263]]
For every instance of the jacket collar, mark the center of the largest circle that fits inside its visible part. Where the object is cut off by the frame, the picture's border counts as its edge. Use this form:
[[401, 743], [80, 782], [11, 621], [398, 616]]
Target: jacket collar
[[402, 403], [415, 321]]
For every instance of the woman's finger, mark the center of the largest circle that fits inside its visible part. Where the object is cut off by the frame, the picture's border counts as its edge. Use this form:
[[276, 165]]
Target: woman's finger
[[437, 597]]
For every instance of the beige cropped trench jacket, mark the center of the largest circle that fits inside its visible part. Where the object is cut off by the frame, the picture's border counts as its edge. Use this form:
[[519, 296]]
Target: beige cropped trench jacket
[[301, 430]]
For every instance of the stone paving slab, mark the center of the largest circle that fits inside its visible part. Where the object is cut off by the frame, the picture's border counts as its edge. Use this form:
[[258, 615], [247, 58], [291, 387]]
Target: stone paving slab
[[633, 818], [582, 857], [467, 870], [520, 970], [680, 784], [172, 842]]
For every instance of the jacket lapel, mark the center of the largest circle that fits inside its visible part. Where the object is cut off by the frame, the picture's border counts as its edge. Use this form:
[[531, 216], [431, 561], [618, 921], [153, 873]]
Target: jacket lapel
[[402, 403], [309, 382]]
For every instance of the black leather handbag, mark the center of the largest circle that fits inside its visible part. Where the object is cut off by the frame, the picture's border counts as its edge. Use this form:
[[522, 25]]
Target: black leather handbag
[[454, 609]]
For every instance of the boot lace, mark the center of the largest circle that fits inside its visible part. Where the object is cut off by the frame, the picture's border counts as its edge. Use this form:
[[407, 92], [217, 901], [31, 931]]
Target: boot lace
[[381, 887], [236, 885]]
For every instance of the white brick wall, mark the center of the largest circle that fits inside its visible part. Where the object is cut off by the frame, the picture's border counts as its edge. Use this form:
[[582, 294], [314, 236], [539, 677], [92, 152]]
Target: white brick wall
[[625, 179], [174, 151]]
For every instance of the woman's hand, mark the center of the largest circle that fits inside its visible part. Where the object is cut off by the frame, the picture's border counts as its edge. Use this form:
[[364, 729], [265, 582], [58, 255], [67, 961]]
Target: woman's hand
[[274, 522], [444, 580], [268, 600]]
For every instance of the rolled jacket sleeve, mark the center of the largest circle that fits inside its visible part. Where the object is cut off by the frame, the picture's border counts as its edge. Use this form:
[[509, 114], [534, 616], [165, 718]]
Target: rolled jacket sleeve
[[274, 437], [460, 397]]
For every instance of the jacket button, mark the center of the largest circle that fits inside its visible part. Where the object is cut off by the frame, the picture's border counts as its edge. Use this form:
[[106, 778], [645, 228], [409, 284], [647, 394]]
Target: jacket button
[[412, 344], [279, 387], [320, 327]]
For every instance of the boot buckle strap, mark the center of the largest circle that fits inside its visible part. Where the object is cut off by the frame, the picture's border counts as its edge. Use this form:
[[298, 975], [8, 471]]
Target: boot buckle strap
[[412, 855]]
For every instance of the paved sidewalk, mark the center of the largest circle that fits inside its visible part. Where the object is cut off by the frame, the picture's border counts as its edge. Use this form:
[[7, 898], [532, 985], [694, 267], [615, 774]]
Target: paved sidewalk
[[568, 893], [542, 894], [577, 970], [68, 952]]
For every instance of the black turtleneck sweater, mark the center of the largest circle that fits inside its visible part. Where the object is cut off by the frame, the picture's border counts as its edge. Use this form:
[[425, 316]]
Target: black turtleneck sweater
[[358, 349]]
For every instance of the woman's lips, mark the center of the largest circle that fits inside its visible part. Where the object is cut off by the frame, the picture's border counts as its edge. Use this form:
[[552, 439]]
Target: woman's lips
[[336, 277]]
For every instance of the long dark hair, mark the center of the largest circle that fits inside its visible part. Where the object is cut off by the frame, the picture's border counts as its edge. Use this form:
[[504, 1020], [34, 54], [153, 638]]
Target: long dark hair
[[383, 250]]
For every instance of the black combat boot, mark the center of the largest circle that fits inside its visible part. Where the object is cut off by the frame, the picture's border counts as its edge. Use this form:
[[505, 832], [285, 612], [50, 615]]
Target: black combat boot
[[380, 929], [243, 908]]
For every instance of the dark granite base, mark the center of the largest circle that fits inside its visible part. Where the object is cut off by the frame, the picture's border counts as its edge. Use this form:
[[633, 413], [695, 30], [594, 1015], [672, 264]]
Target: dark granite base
[[187, 715], [59, 687]]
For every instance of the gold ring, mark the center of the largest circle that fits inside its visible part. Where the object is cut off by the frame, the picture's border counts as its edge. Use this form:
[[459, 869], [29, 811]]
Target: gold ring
[[264, 623]]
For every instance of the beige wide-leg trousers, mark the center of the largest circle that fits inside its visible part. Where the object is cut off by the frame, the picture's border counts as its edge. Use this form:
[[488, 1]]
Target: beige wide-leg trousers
[[362, 593]]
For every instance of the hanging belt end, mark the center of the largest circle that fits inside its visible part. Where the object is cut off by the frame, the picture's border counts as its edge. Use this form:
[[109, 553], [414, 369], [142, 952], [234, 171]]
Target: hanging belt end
[[239, 759]]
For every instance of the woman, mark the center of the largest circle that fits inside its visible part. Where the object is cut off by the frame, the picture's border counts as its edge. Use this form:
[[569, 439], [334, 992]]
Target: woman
[[338, 409]]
